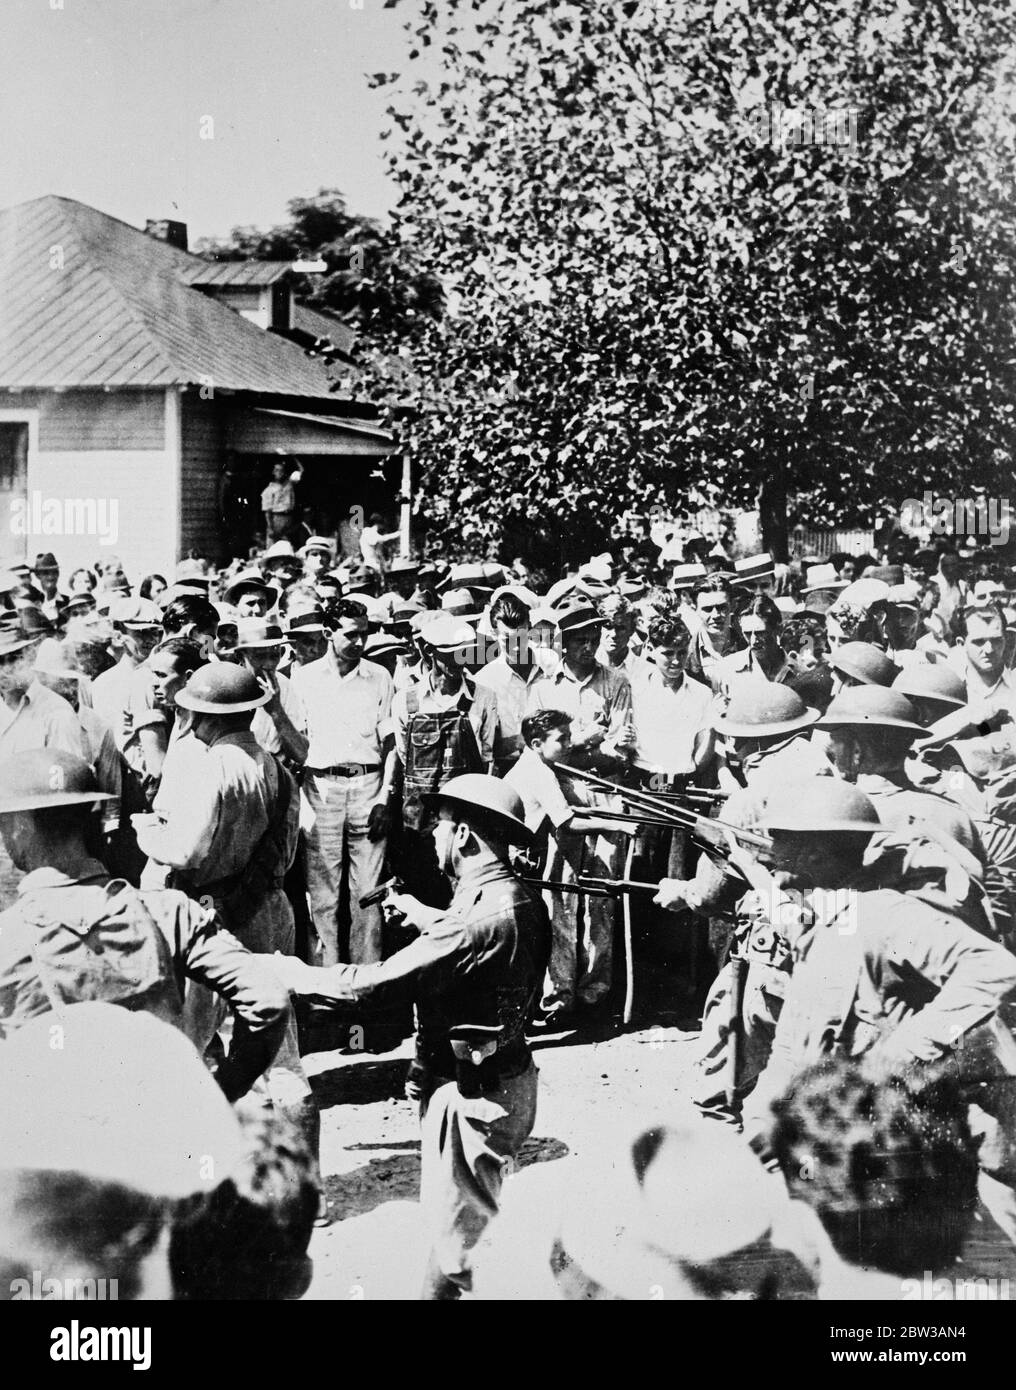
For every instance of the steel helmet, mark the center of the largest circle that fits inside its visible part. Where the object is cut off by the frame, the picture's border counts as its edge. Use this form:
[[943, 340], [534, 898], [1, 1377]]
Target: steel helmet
[[865, 663], [41, 778], [759, 708], [820, 804], [219, 687], [871, 706], [490, 795], [932, 681]]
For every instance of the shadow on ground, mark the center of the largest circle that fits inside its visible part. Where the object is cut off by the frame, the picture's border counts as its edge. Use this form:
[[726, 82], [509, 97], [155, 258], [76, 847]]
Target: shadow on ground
[[362, 1083], [395, 1174]]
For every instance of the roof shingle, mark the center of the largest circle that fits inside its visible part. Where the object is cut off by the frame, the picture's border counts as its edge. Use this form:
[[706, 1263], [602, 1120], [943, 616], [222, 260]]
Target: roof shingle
[[87, 300]]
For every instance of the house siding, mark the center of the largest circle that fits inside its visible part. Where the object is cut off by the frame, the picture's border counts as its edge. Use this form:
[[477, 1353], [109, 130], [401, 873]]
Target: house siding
[[100, 478], [113, 502], [79, 421]]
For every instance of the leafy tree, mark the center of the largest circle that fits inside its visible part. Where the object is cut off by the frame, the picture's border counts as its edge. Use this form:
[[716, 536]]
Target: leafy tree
[[369, 282], [715, 251]]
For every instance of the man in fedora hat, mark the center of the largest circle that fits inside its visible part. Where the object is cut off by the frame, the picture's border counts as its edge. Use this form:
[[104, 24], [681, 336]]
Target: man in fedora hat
[[678, 1211], [46, 571], [306, 637], [75, 933], [137, 630], [282, 566], [473, 973], [31, 716], [280, 725], [318, 556], [597, 697], [251, 594], [400, 583]]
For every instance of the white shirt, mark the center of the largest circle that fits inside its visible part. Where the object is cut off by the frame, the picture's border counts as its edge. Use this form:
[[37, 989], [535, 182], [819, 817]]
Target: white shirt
[[673, 727], [43, 719], [511, 690], [263, 728], [111, 696], [1001, 695], [346, 716], [372, 543]]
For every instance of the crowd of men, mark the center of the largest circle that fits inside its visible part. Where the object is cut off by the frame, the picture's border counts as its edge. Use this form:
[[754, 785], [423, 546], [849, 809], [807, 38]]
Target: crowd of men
[[310, 791]]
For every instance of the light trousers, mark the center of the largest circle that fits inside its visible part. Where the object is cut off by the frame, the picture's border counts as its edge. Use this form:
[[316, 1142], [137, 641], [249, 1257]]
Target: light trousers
[[338, 847], [466, 1150]]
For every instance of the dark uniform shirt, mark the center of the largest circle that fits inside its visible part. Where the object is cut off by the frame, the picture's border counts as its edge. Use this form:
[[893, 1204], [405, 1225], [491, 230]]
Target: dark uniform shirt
[[479, 963], [883, 972], [199, 949]]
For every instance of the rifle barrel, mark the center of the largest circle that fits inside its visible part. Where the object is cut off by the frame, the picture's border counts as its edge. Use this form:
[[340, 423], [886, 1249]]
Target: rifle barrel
[[687, 819]]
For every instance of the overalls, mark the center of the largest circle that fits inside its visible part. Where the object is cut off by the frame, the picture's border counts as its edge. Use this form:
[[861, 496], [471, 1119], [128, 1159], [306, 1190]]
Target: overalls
[[439, 745]]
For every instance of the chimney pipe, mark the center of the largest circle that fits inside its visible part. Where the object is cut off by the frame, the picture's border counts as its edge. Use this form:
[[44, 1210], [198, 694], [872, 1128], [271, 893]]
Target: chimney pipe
[[175, 233]]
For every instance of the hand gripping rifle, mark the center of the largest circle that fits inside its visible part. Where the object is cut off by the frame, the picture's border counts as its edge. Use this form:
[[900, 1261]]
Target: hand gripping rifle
[[708, 831]]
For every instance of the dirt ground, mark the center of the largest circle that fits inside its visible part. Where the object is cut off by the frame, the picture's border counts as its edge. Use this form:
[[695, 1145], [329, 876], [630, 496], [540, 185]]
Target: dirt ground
[[370, 1143], [370, 1146]]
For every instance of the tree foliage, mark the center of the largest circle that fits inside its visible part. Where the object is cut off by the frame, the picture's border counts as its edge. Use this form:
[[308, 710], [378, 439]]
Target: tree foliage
[[370, 282], [655, 291]]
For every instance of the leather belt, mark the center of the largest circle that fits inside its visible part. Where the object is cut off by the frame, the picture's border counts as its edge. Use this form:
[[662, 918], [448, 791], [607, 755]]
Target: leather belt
[[344, 770]]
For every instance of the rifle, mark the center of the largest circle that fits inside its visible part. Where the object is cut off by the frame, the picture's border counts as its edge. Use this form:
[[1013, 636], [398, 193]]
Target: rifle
[[704, 827], [594, 887], [622, 817]]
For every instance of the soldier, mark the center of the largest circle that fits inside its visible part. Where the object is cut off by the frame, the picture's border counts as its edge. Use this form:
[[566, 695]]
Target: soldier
[[876, 972], [224, 825], [933, 688], [768, 726], [861, 663], [76, 934], [871, 733], [474, 972]]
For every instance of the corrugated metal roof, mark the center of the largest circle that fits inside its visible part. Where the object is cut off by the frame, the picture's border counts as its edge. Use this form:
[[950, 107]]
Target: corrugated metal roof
[[238, 273], [86, 300]]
